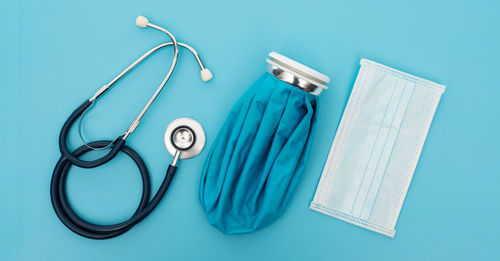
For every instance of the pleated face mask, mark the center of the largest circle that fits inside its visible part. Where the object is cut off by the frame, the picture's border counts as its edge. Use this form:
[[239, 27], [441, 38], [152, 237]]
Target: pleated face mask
[[376, 147], [261, 151]]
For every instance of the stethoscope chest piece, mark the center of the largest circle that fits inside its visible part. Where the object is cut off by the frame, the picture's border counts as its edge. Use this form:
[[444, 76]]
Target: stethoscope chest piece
[[185, 135]]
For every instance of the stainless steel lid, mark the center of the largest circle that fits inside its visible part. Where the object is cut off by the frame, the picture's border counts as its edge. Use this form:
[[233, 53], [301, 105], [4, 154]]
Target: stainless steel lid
[[296, 74]]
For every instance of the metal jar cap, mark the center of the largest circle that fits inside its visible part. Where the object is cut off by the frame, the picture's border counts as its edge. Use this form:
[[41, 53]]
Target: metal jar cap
[[296, 74]]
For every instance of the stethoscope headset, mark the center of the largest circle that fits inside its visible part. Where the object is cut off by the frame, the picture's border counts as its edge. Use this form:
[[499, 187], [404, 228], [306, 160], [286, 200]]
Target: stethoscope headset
[[184, 138]]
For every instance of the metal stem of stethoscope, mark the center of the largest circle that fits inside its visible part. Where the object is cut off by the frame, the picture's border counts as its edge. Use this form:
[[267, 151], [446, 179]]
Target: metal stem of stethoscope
[[135, 123], [106, 87], [140, 59], [116, 144], [101, 91], [143, 22]]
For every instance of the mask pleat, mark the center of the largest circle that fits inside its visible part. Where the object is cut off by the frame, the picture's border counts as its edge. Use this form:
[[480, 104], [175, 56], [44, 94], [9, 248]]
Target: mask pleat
[[376, 148], [389, 142]]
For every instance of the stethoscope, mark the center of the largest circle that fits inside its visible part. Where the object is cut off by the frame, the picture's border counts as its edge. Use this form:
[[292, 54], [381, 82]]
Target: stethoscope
[[184, 138]]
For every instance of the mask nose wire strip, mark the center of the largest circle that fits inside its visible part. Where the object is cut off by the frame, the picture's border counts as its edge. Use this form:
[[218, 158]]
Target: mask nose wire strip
[[84, 228]]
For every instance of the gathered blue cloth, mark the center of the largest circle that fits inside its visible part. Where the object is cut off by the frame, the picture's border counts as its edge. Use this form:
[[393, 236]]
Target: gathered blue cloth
[[258, 156]]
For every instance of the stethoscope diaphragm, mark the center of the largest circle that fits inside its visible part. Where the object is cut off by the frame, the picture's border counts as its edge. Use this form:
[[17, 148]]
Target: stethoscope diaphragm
[[185, 135]]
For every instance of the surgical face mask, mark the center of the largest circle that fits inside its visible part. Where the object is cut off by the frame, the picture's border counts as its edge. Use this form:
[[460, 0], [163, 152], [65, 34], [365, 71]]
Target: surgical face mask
[[376, 147]]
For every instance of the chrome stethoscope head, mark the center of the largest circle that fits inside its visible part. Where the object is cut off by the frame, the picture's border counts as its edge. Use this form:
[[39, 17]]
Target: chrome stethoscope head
[[184, 138]]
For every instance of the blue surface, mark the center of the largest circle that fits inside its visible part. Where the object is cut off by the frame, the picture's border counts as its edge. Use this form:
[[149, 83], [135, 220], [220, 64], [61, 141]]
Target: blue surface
[[55, 54]]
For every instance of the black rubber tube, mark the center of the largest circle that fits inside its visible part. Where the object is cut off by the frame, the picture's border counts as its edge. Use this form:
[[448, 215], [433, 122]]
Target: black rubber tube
[[87, 229], [63, 146]]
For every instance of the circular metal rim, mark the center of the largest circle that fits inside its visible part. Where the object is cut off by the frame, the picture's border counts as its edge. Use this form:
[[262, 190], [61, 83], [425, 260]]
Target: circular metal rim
[[175, 131], [199, 135]]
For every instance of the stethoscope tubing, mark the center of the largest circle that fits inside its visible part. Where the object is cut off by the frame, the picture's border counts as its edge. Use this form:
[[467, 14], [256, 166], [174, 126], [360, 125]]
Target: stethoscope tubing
[[84, 228], [63, 147]]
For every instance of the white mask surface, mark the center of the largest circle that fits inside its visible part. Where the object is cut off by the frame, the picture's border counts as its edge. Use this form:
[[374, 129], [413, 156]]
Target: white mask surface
[[376, 147]]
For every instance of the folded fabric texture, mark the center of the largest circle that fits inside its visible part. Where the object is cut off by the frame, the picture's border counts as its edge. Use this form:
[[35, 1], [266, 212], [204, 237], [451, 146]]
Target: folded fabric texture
[[258, 156]]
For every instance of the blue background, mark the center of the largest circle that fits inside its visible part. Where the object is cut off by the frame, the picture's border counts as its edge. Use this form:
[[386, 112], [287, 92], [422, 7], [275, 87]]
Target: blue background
[[55, 54]]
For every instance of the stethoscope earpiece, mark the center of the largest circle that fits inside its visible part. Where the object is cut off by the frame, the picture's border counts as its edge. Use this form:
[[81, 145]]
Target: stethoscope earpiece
[[141, 21], [206, 75]]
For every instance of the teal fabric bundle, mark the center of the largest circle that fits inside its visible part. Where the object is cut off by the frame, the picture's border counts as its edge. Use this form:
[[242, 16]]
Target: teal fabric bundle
[[258, 156]]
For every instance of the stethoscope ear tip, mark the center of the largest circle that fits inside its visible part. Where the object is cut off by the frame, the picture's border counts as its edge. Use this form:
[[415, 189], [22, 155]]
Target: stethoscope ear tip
[[206, 75], [141, 21]]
